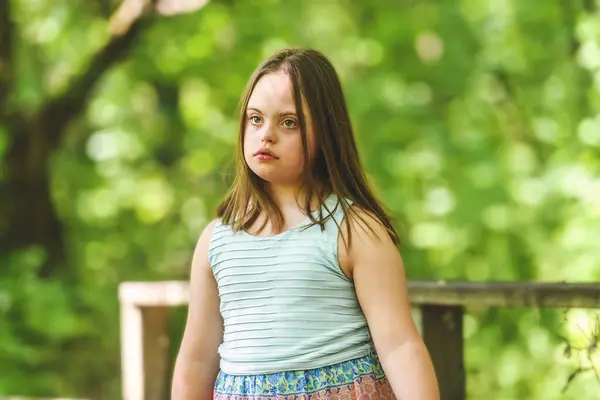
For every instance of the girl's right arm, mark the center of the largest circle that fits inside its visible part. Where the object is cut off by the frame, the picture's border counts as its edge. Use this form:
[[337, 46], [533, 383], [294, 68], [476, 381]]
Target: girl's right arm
[[197, 363]]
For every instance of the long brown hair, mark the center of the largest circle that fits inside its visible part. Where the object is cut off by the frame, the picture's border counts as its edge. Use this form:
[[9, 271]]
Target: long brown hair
[[335, 169]]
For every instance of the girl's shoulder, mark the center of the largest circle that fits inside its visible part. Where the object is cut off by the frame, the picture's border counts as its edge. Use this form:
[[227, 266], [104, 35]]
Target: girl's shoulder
[[368, 237], [209, 229], [364, 229]]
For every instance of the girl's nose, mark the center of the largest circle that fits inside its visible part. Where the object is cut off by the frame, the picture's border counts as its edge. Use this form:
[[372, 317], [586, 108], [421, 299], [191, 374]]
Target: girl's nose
[[268, 133]]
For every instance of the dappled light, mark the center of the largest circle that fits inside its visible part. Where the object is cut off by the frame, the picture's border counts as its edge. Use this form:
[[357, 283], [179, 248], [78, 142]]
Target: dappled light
[[477, 121]]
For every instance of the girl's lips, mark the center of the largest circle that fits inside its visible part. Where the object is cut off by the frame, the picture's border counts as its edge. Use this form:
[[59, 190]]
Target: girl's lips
[[265, 157], [265, 154]]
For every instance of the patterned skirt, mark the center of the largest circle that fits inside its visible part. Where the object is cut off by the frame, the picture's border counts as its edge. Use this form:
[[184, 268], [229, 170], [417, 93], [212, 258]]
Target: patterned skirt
[[362, 378]]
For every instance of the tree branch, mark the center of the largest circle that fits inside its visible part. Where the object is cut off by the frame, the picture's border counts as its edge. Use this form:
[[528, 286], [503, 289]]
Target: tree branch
[[62, 109], [130, 19], [6, 52]]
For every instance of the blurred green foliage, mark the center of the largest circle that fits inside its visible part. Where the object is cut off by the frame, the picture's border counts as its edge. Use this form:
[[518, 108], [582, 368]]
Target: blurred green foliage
[[478, 122]]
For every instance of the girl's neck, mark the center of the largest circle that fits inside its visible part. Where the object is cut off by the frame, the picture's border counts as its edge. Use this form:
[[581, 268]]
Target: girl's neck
[[286, 197]]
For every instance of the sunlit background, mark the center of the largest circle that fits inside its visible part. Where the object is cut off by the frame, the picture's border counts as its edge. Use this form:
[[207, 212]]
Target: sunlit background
[[478, 122]]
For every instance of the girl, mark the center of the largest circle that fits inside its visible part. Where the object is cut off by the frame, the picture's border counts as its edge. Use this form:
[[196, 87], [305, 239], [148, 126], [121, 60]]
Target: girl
[[297, 290]]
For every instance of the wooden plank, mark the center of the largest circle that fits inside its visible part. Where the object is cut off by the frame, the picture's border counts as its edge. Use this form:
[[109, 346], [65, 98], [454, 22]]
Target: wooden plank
[[443, 335], [505, 294], [166, 293], [487, 294]]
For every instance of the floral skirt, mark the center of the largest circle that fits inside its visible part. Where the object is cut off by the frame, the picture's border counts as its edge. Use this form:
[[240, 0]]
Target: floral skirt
[[362, 378]]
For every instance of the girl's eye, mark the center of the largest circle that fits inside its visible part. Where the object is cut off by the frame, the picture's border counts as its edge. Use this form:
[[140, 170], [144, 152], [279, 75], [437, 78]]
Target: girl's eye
[[289, 123], [255, 119]]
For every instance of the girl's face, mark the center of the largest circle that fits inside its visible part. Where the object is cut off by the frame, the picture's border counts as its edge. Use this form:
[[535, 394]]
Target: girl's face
[[272, 139]]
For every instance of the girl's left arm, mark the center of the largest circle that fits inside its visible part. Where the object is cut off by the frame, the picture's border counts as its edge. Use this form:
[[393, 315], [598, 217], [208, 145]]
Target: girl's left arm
[[378, 273]]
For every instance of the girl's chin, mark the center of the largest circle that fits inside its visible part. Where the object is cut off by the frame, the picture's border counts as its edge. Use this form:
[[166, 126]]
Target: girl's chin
[[276, 179]]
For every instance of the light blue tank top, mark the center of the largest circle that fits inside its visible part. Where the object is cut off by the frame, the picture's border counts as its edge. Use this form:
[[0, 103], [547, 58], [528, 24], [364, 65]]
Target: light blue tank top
[[286, 304]]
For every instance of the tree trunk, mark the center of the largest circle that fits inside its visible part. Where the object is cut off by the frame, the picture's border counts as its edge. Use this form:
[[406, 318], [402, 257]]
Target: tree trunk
[[28, 218], [27, 212]]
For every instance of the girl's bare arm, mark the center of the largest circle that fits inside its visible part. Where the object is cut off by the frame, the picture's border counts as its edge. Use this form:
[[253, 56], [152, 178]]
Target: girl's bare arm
[[197, 363], [378, 272]]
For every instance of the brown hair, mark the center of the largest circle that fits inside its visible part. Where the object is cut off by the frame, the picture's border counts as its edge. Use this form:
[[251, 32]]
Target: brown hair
[[336, 168]]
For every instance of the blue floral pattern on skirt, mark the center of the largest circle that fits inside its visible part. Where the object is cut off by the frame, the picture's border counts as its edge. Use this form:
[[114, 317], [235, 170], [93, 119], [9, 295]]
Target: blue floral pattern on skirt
[[300, 382]]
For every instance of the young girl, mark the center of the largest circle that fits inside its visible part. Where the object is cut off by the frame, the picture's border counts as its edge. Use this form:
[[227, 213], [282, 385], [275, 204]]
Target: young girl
[[297, 288]]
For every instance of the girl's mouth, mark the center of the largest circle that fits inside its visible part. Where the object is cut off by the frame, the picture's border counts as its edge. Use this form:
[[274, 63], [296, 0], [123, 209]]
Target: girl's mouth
[[265, 154]]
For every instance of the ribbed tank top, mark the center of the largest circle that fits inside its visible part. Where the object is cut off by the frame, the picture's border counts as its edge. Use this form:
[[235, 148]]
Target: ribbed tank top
[[285, 302]]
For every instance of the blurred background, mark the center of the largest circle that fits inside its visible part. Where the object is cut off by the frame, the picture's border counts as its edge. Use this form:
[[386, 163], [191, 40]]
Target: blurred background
[[478, 122]]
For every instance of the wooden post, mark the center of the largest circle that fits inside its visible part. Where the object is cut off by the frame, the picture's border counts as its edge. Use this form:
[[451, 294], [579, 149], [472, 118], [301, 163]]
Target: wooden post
[[443, 336], [132, 350], [144, 351], [156, 352]]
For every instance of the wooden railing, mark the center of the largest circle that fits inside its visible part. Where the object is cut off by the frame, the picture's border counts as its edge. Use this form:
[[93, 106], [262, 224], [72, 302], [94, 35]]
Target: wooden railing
[[145, 305]]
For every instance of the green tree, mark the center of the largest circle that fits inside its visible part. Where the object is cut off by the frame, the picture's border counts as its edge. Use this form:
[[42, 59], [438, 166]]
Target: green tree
[[478, 121]]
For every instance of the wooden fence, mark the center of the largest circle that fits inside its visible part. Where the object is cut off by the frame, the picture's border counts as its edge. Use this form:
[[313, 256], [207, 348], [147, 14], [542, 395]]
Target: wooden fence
[[145, 340]]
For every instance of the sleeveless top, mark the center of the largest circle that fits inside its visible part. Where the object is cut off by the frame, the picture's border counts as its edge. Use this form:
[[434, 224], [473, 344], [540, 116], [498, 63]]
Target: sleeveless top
[[285, 302]]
